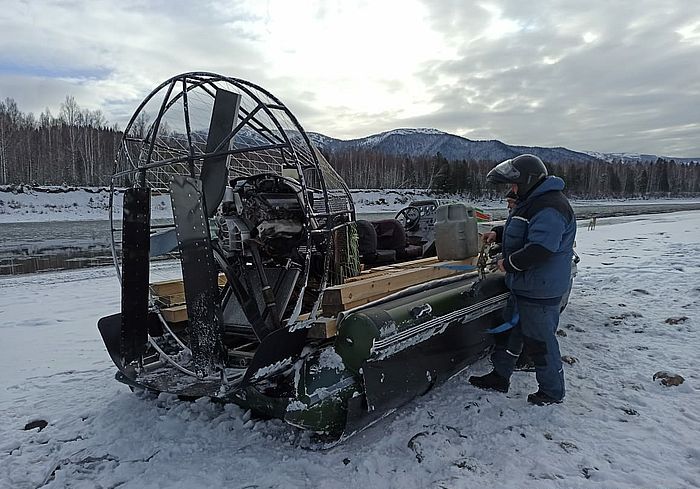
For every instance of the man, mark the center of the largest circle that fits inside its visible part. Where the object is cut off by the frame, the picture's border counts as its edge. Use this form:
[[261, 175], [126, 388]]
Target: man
[[524, 362], [511, 200], [537, 242]]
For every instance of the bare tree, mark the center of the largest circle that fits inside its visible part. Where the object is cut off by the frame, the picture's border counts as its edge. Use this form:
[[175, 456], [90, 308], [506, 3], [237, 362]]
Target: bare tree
[[70, 115]]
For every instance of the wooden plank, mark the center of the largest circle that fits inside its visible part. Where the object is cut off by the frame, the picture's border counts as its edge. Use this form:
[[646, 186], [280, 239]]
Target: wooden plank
[[170, 300], [174, 287], [167, 287], [358, 291], [334, 309], [409, 264], [388, 283], [373, 286], [175, 314], [323, 328], [420, 261], [383, 270]]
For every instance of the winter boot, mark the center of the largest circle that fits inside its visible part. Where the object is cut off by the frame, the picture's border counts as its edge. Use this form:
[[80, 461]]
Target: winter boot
[[492, 381], [525, 363], [541, 399]]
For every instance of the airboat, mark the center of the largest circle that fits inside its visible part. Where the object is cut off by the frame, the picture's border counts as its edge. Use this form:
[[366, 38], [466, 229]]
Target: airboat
[[280, 300]]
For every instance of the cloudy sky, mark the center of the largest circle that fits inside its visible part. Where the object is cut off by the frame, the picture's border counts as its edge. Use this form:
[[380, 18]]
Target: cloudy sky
[[599, 75]]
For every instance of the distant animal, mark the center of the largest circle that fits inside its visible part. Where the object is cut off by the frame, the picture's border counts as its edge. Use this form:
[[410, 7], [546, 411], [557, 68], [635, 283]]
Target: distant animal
[[591, 223]]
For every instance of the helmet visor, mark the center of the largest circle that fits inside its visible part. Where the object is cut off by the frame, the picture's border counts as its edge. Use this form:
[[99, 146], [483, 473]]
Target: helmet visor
[[504, 172]]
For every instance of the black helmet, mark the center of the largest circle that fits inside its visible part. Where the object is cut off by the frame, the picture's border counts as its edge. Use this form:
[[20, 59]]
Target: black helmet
[[525, 170]]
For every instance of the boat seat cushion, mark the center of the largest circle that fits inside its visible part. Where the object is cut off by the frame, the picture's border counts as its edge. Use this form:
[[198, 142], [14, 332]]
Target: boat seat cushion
[[410, 252], [367, 241], [380, 256], [390, 234]]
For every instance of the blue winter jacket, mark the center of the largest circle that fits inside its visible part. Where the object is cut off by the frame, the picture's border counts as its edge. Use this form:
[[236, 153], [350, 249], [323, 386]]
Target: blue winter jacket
[[538, 240]]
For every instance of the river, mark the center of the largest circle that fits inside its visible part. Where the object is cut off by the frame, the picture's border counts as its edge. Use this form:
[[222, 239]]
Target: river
[[32, 247]]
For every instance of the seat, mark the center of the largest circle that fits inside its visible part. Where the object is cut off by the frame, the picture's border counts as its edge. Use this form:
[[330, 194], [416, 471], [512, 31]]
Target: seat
[[367, 244], [391, 235]]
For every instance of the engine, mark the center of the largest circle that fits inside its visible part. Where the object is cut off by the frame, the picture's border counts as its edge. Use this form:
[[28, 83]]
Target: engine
[[264, 210]]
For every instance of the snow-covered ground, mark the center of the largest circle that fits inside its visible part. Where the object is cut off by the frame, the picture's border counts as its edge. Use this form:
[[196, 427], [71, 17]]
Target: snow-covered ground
[[91, 204], [618, 428], [35, 205]]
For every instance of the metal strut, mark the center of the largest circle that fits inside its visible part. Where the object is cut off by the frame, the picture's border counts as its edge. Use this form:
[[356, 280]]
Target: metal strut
[[482, 261]]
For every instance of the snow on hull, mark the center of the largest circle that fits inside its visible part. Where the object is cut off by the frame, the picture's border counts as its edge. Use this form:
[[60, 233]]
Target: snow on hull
[[618, 428]]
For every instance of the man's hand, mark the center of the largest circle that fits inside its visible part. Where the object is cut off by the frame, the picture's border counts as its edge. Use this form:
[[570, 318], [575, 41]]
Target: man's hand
[[500, 265], [489, 237]]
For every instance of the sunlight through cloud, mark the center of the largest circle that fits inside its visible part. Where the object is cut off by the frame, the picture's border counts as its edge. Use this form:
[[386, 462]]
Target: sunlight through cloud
[[499, 26], [589, 37], [690, 33]]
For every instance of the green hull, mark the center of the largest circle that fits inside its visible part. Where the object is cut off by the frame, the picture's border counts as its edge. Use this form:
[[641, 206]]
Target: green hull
[[383, 356]]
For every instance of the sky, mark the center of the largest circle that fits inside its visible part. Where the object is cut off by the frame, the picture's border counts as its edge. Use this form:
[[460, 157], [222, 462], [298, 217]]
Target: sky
[[609, 76]]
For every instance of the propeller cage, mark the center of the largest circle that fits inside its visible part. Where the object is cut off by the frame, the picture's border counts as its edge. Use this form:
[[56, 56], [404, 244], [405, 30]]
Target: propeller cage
[[253, 204]]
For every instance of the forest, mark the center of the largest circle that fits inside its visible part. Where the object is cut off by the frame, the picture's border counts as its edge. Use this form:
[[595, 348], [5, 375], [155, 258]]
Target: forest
[[369, 169], [77, 148]]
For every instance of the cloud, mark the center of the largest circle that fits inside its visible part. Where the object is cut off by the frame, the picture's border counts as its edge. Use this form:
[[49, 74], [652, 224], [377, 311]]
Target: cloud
[[595, 78], [110, 55], [608, 76]]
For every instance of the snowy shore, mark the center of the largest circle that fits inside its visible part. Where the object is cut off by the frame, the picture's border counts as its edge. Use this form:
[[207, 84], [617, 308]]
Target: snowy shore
[[634, 311], [90, 204]]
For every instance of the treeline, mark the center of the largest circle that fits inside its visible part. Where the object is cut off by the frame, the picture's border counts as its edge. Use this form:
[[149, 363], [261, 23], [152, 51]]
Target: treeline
[[373, 169], [370, 169], [77, 147]]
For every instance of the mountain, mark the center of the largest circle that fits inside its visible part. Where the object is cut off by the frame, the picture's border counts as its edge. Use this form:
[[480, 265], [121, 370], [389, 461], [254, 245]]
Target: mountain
[[428, 142], [637, 157]]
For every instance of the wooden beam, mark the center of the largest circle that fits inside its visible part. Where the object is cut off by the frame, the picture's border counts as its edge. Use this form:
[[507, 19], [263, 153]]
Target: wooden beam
[[383, 270], [357, 291], [170, 300], [333, 309], [385, 284], [167, 287], [175, 288], [175, 314], [323, 328]]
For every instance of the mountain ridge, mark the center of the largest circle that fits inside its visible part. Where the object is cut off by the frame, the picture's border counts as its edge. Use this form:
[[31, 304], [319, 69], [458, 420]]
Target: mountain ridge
[[428, 142]]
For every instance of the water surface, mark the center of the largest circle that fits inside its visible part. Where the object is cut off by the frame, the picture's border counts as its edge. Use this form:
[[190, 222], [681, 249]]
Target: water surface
[[63, 245]]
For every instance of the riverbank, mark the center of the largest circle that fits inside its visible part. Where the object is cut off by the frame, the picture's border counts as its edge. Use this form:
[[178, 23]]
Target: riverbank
[[617, 428], [47, 204]]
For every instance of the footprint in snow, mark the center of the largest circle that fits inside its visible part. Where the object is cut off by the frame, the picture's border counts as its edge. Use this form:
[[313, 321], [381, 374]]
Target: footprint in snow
[[567, 446]]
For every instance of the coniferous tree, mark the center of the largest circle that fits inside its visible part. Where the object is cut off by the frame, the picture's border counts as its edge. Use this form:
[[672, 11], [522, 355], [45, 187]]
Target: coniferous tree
[[615, 184], [663, 177], [629, 183], [643, 184], [440, 178]]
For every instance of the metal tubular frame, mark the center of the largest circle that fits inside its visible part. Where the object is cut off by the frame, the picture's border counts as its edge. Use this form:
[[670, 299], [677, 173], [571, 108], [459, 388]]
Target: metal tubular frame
[[293, 151]]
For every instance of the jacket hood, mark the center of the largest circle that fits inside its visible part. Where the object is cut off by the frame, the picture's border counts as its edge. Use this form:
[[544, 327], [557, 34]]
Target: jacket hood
[[548, 184]]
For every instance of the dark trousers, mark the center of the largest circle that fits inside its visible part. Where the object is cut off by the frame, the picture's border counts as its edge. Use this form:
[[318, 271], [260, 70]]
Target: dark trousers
[[536, 332]]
